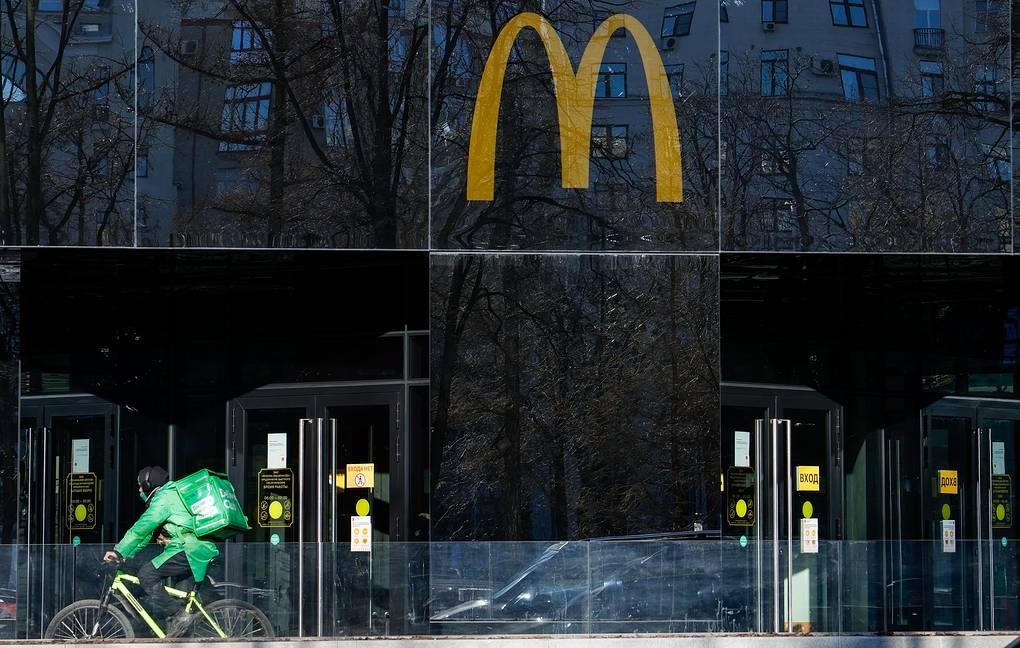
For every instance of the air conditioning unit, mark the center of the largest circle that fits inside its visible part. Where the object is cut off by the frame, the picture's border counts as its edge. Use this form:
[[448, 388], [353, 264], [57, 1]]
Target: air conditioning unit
[[826, 67], [668, 44], [768, 26], [189, 47], [316, 122]]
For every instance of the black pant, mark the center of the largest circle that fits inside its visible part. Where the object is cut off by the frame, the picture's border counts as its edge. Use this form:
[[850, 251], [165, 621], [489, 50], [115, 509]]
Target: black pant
[[151, 579]]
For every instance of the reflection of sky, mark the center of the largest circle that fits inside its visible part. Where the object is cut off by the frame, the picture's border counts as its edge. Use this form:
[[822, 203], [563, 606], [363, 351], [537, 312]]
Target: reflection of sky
[[11, 92]]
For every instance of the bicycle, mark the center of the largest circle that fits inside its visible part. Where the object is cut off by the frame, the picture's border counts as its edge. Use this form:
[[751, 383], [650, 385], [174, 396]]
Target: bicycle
[[102, 619]]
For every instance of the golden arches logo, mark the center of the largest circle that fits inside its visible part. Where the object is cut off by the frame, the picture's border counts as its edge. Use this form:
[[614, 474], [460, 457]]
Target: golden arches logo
[[575, 101]]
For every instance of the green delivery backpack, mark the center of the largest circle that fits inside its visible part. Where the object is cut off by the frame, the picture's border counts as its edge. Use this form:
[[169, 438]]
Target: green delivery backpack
[[210, 497]]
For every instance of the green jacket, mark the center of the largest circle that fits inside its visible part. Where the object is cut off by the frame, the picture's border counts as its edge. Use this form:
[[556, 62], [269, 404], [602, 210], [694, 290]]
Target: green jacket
[[166, 508]]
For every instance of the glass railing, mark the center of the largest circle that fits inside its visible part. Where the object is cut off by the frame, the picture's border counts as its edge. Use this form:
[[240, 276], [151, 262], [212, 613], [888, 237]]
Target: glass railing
[[585, 587]]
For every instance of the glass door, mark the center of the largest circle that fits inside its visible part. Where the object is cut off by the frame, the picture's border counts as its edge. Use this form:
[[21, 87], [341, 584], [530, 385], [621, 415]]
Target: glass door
[[289, 453], [783, 483], [1000, 426]]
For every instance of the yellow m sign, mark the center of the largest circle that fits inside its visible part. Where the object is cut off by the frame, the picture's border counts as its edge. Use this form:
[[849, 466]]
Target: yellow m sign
[[575, 100]]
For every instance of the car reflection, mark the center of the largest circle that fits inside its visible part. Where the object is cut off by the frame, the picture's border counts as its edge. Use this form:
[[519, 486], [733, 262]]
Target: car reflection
[[663, 583]]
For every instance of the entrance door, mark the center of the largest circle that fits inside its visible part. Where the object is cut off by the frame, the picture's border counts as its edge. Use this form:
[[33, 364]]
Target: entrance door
[[782, 443], [310, 435], [969, 457], [65, 443]]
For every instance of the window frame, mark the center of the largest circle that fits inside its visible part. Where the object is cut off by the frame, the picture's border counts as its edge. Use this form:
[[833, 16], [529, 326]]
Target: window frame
[[846, 65], [606, 78], [930, 78], [772, 65], [846, 7], [610, 133], [262, 102], [682, 20], [776, 7]]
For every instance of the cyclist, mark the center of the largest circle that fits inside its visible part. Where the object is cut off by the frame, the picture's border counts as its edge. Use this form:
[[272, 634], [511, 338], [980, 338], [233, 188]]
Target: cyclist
[[183, 551]]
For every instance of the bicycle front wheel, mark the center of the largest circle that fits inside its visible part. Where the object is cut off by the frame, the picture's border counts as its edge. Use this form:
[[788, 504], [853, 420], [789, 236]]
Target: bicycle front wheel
[[236, 618], [85, 620]]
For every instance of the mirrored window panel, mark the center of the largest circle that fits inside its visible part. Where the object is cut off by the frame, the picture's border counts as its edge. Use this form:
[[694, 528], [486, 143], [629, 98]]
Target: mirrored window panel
[[581, 126], [573, 396], [865, 126], [298, 124], [66, 123]]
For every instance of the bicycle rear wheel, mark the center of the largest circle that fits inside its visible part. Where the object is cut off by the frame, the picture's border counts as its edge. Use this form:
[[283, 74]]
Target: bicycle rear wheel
[[236, 618], [84, 620]]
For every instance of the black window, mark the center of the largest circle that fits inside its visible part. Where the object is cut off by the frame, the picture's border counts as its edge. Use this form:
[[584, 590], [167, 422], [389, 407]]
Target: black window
[[724, 14], [676, 21], [675, 76], [724, 72], [774, 11], [848, 13]]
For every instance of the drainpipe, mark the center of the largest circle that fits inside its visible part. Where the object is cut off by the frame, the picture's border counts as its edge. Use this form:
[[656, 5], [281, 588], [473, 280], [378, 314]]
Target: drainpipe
[[876, 16]]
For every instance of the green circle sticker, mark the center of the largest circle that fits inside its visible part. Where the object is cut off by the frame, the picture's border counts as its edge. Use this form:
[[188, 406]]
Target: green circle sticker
[[80, 513], [946, 512], [361, 508], [274, 539], [275, 509], [807, 509], [77, 541], [1004, 541], [741, 508], [1000, 512], [743, 540]]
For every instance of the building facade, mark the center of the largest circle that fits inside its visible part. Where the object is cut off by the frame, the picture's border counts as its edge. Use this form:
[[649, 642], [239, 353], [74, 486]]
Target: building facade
[[649, 317]]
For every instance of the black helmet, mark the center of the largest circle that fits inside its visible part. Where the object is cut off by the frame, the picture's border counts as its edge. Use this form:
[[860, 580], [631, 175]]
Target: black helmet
[[151, 478]]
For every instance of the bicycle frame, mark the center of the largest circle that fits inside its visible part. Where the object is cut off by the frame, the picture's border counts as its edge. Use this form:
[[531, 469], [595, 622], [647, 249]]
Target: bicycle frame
[[119, 589]]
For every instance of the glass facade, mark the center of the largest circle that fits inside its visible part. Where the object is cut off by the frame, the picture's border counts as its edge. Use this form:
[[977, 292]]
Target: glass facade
[[645, 316]]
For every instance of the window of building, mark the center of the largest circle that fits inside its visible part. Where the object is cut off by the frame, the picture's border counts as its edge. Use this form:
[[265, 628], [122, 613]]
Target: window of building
[[102, 94], [932, 78], [774, 11], [860, 79], [51, 5], [777, 215], [724, 152], [611, 81], [12, 80], [848, 13], [774, 73], [927, 14], [146, 77], [142, 165], [724, 14], [985, 87], [773, 163], [396, 8], [998, 162], [936, 152], [676, 21], [90, 28], [246, 111], [246, 44], [724, 72], [610, 141], [336, 124], [675, 77], [983, 15]]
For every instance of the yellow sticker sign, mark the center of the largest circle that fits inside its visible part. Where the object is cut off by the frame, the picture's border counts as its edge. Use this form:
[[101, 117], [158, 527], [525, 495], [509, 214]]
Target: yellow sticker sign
[[948, 482], [575, 102], [808, 478], [361, 475]]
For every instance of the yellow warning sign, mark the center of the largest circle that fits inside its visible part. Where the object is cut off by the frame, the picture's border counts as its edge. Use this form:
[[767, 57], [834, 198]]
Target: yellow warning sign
[[360, 475], [808, 478], [948, 482]]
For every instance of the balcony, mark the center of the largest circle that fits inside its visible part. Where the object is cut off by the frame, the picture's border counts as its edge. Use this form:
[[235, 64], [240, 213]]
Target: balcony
[[929, 39]]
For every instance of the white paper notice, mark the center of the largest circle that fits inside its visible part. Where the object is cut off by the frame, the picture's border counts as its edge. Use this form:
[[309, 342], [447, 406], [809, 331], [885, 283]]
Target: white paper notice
[[742, 449], [361, 533], [276, 456], [998, 458], [948, 536], [809, 535], [79, 455]]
